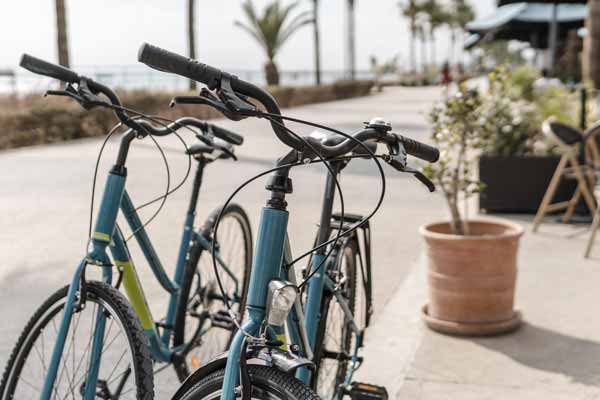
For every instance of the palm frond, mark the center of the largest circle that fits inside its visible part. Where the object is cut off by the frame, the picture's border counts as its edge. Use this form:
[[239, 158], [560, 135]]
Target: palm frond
[[271, 27]]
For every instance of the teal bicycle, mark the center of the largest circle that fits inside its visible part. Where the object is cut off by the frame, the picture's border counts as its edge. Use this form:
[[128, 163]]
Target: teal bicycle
[[88, 340], [281, 349]]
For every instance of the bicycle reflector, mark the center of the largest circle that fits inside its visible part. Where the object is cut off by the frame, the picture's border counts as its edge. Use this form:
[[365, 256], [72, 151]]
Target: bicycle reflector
[[280, 299]]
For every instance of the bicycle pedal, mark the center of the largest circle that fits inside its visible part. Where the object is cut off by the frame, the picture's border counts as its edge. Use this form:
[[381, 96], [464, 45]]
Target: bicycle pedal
[[366, 391]]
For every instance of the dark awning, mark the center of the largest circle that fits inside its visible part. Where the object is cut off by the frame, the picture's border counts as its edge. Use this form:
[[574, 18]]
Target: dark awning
[[503, 2], [529, 22]]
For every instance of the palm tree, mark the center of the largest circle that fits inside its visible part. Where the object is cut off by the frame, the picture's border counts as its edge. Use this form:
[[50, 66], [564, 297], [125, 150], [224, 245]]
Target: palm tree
[[317, 42], [351, 36], [422, 29], [411, 9], [437, 18], [272, 29], [62, 37], [591, 52], [462, 15], [191, 34]]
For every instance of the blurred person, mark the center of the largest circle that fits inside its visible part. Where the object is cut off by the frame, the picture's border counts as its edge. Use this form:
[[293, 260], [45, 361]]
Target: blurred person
[[446, 77]]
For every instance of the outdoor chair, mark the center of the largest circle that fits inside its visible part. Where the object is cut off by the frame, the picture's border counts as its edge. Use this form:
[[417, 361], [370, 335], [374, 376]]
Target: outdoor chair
[[579, 160]]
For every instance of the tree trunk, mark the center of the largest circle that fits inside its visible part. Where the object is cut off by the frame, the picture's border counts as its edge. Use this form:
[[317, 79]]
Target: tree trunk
[[61, 33], [271, 73], [433, 54], [317, 43], [452, 46], [591, 64], [424, 56], [351, 40], [413, 67], [191, 35]]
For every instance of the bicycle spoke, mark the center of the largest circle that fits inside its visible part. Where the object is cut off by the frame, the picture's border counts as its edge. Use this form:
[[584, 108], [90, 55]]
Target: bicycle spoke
[[116, 365]]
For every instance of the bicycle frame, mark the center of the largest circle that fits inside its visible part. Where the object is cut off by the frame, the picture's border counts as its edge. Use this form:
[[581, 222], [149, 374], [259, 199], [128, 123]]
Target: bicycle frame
[[272, 254], [107, 234]]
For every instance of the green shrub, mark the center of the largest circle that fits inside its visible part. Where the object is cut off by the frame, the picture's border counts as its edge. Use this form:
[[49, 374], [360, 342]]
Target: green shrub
[[38, 121], [522, 79]]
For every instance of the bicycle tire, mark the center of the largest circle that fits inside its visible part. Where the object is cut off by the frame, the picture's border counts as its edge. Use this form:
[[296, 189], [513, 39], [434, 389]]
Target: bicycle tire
[[267, 384], [116, 305]]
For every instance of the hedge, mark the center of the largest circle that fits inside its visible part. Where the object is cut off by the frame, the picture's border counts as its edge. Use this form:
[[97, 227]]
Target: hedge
[[38, 121]]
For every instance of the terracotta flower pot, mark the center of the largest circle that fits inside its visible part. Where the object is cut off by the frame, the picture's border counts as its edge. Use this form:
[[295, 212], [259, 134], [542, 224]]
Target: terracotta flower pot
[[472, 278]]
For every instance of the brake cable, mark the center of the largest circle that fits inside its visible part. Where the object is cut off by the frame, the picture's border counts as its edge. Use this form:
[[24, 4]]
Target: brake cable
[[287, 166], [157, 120], [372, 156]]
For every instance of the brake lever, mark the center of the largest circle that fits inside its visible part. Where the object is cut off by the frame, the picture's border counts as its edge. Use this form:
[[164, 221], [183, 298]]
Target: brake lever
[[235, 103], [68, 92], [422, 178], [83, 95], [208, 99], [228, 151], [90, 99], [398, 160]]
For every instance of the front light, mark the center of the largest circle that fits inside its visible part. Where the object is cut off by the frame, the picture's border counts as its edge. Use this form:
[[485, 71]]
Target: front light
[[280, 299]]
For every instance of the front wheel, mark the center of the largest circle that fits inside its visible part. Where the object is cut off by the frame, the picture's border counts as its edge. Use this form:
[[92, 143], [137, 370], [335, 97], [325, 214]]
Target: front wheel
[[267, 384], [125, 370], [202, 323]]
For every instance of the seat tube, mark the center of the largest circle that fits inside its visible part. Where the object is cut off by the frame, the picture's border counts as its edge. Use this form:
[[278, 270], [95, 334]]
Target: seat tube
[[107, 216], [266, 265], [316, 283]]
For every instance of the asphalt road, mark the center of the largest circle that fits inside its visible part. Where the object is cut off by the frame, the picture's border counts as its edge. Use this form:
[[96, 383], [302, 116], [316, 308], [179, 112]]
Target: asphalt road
[[45, 200]]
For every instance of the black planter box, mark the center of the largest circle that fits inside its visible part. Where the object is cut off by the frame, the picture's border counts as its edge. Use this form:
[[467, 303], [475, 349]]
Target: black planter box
[[518, 184]]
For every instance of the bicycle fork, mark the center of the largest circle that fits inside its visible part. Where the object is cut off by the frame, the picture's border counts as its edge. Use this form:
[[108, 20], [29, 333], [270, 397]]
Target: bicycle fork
[[101, 238]]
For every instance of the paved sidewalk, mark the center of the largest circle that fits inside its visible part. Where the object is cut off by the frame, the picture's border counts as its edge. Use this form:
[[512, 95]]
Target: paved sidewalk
[[555, 355]]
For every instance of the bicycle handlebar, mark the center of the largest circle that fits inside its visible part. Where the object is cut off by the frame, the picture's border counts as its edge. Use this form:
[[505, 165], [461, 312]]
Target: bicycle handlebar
[[226, 134], [217, 131], [166, 61], [420, 150], [48, 69], [41, 67]]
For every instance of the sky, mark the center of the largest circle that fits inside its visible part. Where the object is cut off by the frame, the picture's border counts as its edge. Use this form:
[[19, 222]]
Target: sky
[[109, 32]]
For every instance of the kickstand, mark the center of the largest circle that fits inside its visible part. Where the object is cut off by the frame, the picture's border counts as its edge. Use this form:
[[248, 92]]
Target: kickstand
[[245, 383]]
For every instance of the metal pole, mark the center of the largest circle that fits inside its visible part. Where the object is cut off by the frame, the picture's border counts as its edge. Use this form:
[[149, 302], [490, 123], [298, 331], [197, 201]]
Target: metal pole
[[553, 38], [317, 43]]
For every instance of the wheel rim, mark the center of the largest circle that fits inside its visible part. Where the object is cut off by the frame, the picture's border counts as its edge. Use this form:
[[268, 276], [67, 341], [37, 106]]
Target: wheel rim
[[116, 365], [205, 296]]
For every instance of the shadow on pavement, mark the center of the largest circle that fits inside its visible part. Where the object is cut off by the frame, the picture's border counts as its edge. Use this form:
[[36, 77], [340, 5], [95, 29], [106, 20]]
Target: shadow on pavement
[[551, 351]]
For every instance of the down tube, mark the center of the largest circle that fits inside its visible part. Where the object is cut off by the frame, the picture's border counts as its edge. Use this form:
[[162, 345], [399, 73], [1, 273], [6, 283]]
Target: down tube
[[266, 266]]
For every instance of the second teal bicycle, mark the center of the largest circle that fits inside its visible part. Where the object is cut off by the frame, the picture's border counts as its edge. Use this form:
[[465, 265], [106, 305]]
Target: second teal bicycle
[[89, 341]]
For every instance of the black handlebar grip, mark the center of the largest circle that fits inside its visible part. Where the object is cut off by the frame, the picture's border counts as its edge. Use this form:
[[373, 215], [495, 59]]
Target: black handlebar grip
[[166, 61], [227, 135], [46, 68], [420, 150]]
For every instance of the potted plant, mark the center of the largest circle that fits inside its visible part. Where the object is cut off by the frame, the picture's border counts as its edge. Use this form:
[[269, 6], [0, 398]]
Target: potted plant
[[510, 118], [471, 262]]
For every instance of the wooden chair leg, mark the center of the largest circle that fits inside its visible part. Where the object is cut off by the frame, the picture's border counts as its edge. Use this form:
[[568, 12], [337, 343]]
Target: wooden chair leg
[[583, 185], [592, 238], [572, 204], [549, 195]]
